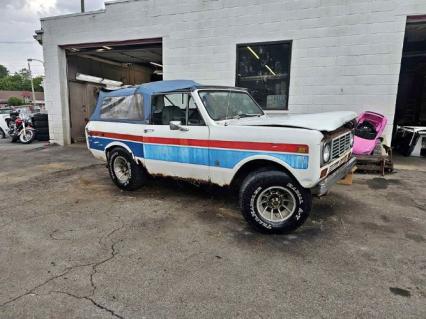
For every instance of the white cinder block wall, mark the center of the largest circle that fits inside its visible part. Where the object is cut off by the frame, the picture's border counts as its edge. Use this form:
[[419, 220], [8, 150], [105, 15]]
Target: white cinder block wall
[[346, 53]]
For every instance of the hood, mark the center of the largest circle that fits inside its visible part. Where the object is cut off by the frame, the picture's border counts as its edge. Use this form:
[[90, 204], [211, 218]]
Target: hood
[[328, 121]]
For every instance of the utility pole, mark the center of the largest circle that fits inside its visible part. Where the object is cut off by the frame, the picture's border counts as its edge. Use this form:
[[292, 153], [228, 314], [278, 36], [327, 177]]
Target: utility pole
[[82, 5], [32, 83]]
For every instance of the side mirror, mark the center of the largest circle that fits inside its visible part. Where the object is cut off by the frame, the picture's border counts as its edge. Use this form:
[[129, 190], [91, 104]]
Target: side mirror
[[177, 125]]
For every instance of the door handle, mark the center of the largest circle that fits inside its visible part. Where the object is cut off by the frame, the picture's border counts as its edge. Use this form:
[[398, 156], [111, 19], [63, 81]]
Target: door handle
[[148, 130]]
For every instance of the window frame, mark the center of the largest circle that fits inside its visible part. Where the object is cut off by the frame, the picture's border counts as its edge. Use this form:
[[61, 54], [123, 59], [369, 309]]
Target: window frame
[[134, 96], [290, 43], [186, 107]]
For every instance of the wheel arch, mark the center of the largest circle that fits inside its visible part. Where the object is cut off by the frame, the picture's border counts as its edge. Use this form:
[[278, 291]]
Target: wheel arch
[[115, 144], [255, 163]]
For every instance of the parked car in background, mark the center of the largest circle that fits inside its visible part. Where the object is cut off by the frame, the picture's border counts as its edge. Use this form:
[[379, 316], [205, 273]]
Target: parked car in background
[[220, 135], [4, 127], [5, 110]]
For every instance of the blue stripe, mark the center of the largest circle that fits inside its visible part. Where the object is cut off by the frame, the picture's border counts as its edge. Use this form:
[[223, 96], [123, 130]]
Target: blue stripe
[[230, 158], [198, 155], [98, 143]]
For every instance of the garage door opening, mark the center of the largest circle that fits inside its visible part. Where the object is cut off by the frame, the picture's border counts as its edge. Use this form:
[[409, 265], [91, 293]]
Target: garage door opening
[[129, 62], [411, 98]]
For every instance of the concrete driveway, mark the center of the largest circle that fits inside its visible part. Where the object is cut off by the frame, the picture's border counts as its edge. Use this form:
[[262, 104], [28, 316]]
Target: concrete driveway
[[75, 246]]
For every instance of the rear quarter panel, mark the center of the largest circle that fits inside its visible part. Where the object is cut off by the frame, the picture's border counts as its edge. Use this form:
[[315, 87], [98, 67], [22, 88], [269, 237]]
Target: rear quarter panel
[[121, 132]]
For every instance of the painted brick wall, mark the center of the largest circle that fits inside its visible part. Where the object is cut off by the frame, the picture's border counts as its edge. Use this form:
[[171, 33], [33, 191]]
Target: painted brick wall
[[346, 53]]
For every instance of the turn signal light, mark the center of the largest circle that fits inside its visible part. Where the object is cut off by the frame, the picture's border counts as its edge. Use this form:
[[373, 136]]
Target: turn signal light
[[302, 149]]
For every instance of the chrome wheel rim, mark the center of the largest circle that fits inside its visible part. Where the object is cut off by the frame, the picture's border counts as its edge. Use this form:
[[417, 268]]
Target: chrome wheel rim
[[122, 169], [276, 204], [27, 136]]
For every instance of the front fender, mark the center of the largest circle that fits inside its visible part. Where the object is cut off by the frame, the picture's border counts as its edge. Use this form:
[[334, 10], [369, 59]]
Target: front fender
[[28, 128], [262, 157], [296, 165]]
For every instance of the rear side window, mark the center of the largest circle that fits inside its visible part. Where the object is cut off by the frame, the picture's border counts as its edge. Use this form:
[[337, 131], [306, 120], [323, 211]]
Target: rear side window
[[122, 108]]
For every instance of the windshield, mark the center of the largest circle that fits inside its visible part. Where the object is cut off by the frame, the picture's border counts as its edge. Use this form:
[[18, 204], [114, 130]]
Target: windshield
[[223, 105]]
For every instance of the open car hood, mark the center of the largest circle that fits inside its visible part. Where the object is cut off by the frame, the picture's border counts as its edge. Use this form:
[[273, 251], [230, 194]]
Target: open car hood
[[328, 121]]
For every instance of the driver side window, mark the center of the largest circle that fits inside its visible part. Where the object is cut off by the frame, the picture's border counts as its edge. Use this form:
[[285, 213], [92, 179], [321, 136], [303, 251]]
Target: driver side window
[[175, 107]]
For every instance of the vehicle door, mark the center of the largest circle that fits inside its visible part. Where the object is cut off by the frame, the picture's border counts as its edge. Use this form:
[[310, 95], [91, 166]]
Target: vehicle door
[[176, 139]]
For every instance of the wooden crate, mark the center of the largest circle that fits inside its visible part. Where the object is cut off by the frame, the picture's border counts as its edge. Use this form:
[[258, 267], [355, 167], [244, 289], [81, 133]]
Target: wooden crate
[[374, 164]]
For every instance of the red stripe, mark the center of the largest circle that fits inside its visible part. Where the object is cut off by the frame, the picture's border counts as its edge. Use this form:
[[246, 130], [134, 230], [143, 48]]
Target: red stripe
[[256, 146]]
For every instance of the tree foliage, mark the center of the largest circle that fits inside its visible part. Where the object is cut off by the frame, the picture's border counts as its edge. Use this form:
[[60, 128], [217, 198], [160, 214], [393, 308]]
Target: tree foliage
[[19, 81], [14, 101], [3, 71]]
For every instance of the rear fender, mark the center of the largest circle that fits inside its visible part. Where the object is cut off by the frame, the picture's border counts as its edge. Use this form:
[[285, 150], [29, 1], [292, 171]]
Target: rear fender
[[118, 144]]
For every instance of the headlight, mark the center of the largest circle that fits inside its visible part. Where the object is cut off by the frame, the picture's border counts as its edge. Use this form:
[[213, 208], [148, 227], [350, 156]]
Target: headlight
[[326, 152], [352, 139]]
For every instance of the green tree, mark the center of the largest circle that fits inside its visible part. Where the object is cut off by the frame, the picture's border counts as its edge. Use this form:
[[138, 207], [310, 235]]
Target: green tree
[[3, 71], [20, 81], [24, 73], [37, 84], [14, 101]]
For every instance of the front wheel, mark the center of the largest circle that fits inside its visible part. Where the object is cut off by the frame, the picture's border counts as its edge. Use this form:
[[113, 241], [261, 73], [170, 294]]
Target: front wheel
[[273, 202], [27, 137], [124, 171], [2, 133]]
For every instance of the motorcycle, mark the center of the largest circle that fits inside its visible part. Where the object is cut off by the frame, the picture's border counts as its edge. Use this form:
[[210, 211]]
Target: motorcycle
[[20, 128]]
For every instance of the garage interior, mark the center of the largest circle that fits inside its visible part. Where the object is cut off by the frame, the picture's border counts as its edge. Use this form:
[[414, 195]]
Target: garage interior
[[91, 66], [411, 98]]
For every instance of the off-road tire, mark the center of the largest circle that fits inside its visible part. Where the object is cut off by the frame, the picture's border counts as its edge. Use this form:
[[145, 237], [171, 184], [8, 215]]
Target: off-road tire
[[40, 124], [258, 181], [40, 117], [137, 173], [42, 137], [42, 131]]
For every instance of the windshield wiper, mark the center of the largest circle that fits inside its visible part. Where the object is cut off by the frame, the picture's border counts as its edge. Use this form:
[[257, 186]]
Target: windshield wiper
[[238, 116]]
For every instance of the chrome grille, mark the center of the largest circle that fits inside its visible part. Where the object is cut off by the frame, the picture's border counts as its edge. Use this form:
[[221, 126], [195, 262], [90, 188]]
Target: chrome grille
[[340, 145]]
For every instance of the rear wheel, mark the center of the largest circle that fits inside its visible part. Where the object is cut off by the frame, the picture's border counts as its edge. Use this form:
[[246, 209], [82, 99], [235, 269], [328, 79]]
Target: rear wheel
[[124, 171], [273, 202]]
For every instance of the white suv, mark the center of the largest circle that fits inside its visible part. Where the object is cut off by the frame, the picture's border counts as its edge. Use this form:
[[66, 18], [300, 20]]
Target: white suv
[[220, 135]]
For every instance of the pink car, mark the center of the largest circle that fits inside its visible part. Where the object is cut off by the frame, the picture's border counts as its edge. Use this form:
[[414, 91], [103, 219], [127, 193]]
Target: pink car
[[369, 129]]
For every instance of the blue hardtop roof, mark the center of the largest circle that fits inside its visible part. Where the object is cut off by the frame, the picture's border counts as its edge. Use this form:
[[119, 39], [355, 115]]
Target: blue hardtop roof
[[154, 87]]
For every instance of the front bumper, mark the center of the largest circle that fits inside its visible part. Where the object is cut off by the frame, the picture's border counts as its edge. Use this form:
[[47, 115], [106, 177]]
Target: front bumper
[[323, 186]]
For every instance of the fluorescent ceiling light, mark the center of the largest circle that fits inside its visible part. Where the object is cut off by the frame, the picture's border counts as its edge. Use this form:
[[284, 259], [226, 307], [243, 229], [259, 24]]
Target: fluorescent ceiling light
[[252, 52], [156, 64], [107, 47], [270, 70], [108, 82], [88, 78], [100, 50], [95, 79], [74, 50]]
